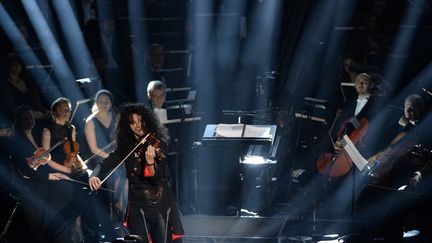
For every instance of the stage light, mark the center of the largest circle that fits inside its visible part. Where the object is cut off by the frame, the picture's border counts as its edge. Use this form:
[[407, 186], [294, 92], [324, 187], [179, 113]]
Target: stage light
[[411, 233], [256, 160]]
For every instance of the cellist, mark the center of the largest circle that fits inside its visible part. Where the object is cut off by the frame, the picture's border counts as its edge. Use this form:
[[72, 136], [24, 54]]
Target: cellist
[[407, 161], [353, 121]]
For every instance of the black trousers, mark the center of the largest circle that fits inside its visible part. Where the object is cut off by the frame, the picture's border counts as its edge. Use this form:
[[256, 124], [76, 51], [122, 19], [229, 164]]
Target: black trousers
[[152, 221]]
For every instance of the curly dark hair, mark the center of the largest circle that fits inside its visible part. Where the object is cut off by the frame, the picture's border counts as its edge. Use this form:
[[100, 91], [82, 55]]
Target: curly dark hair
[[125, 136]]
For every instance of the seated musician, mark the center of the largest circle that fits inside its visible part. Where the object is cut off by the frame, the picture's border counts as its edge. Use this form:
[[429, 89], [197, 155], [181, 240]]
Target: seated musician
[[66, 201], [353, 121], [32, 175], [362, 107], [400, 164]]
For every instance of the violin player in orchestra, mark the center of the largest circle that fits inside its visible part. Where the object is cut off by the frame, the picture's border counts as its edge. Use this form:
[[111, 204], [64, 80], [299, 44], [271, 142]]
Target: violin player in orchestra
[[71, 208], [152, 213], [32, 174], [100, 135], [404, 169]]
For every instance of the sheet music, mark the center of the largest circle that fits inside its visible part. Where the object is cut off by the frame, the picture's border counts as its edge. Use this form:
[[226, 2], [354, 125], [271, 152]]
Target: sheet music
[[353, 153], [189, 119], [252, 131], [229, 130]]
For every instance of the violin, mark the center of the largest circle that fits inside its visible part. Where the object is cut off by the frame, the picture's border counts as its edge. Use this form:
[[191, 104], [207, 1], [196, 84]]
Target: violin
[[336, 165], [71, 149], [141, 147], [41, 156], [153, 141]]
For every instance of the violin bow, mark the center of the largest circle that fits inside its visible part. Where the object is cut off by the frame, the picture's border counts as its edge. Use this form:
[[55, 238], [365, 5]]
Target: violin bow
[[86, 184], [104, 149], [121, 162]]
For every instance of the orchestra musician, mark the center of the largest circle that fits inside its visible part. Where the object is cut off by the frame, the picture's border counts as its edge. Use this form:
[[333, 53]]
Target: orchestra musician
[[152, 212], [99, 132], [31, 184], [66, 200], [405, 162], [352, 121]]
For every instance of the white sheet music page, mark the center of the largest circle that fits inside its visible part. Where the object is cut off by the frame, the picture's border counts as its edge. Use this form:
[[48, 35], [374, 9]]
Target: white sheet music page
[[229, 130], [353, 153], [252, 131]]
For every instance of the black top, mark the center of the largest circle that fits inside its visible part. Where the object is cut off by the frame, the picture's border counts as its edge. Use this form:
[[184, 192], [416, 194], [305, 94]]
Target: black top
[[58, 133], [135, 165], [12, 97], [140, 187]]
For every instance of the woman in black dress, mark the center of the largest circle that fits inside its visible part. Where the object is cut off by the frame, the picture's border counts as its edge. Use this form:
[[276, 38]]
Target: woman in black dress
[[152, 212]]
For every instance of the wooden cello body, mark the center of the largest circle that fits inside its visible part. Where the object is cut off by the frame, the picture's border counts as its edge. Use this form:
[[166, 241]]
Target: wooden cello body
[[339, 164]]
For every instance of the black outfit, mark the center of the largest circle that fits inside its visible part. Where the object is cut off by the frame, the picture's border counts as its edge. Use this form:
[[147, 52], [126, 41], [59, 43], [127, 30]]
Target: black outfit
[[12, 97], [401, 205], [67, 200], [30, 185], [106, 201], [149, 197]]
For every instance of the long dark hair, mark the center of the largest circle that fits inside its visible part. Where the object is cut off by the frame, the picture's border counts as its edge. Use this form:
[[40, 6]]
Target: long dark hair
[[125, 136]]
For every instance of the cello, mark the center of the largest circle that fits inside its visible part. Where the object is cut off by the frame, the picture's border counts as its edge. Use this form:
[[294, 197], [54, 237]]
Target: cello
[[338, 164]]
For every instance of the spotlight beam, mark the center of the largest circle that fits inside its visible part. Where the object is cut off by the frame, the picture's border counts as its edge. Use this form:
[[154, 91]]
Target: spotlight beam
[[139, 42], [61, 68], [29, 57]]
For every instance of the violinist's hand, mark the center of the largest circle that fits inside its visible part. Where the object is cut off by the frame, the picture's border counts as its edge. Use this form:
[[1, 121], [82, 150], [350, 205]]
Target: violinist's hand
[[337, 145], [150, 154], [94, 183], [57, 176]]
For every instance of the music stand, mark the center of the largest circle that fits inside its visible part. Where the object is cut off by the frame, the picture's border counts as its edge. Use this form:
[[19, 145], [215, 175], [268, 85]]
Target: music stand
[[239, 134], [315, 139], [348, 91], [179, 113]]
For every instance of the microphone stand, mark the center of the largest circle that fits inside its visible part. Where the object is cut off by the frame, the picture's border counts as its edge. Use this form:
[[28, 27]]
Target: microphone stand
[[78, 103]]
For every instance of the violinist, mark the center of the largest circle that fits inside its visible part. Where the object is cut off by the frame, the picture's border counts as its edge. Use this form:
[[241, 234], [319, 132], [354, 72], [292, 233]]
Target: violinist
[[31, 184], [400, 164], [152, 212], [67, 201], [99, 131], [59, 129]]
